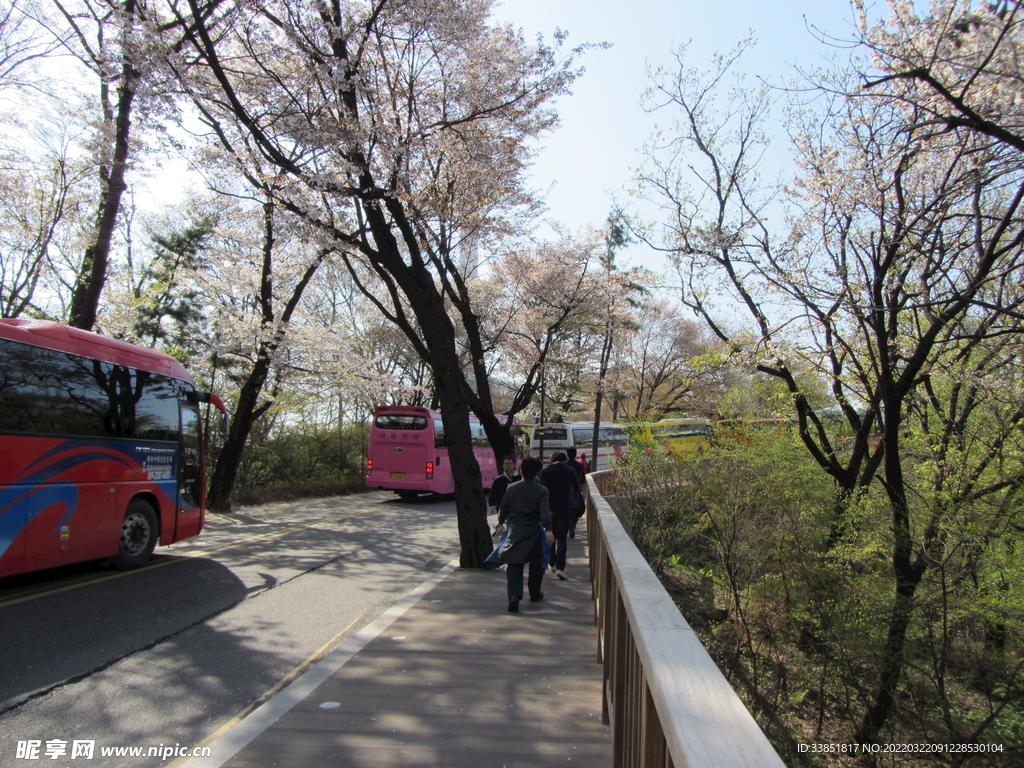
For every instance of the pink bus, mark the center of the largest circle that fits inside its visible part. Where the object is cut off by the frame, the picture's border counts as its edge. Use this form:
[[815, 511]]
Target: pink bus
[[407, 453]]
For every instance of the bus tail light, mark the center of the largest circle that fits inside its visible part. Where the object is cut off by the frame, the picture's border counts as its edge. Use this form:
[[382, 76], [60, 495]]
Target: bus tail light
[[430, 470], [369, 467]]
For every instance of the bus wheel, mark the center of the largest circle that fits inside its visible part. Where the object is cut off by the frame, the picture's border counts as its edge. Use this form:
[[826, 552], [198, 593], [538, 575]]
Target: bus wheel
[[139, 533]]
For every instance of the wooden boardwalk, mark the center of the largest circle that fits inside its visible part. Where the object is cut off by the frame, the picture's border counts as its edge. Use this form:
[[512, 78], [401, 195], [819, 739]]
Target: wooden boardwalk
[[457, 681]]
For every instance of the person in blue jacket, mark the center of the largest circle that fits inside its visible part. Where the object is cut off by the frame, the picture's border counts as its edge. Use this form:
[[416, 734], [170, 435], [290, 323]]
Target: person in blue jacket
[[561, 481], [578, 501]]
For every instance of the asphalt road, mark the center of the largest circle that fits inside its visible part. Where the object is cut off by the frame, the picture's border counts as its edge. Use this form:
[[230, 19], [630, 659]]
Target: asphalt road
[[172, 652]]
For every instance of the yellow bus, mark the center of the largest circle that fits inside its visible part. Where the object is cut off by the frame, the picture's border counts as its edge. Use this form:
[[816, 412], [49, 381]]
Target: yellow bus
[[682, 437], [742, 431]]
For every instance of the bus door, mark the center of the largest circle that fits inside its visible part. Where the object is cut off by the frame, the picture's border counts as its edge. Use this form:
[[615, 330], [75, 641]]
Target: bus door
[[189, 517]]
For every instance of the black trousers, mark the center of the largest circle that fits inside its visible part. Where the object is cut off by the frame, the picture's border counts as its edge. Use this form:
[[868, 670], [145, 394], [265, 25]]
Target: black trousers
[[515, 573], [560, 527]]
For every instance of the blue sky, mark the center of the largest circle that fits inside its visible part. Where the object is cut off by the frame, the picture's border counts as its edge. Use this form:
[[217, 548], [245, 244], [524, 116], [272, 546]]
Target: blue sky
[[588, 160], [590, 157]]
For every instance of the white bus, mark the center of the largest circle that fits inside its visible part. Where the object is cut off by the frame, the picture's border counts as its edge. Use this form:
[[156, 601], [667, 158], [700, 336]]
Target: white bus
[[612, 442]]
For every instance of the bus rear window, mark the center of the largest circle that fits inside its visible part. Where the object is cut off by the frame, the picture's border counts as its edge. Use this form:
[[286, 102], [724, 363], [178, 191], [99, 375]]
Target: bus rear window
[[400, 421]]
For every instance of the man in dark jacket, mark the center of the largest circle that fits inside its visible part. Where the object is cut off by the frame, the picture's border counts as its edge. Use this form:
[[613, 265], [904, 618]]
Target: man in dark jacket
[[502, 482], [561, 481], [578, 499], [525, 509]]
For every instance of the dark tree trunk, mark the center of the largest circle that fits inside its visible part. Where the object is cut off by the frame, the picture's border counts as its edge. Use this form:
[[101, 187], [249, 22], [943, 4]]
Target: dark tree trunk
[[499, 436], [907, 573], [92, 276], [606, 356], [222, 480], [470, 503], [248, 409]]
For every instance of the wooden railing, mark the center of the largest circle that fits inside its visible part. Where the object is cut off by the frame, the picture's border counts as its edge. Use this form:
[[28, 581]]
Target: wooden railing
[[666, 701]]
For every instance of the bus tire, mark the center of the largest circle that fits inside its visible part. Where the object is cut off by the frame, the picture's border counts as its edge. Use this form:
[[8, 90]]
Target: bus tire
[[139, 533]]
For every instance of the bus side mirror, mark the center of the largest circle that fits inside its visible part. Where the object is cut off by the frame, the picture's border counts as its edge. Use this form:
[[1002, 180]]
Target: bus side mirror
[[198, 396]]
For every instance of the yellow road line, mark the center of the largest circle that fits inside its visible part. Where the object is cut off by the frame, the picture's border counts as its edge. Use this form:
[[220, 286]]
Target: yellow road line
[[77, 584], [177, 558]]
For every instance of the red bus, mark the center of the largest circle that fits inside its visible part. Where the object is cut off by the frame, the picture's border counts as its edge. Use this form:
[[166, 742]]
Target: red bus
[[407, 453], [101, 450]]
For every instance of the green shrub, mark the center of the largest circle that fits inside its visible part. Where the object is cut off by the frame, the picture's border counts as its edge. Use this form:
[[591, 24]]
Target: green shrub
[[744, 539]]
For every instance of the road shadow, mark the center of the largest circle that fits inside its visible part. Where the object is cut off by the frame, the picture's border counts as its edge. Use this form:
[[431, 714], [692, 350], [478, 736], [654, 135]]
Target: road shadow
[[410, 536], [62, 635], [458, 681]]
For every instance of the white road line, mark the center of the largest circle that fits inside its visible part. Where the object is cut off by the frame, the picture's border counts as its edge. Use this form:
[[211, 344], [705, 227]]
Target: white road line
[[231, 743]]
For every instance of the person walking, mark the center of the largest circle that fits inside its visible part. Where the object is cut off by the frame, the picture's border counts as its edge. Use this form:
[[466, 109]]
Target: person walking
[[561, 481], [577, 501], [583, 460], [502, 482], [526, 511]]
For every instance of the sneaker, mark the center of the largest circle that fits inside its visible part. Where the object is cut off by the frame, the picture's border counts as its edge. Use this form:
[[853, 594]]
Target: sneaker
[[561, 575], [513, 606], [537, 599], [551, 568]]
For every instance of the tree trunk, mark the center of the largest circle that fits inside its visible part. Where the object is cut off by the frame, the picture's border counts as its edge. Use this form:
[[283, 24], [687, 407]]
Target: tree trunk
[[470, 503], [92, 276], [891, 667], [499, 436], [907, 575], [222, 481], [606, 354]]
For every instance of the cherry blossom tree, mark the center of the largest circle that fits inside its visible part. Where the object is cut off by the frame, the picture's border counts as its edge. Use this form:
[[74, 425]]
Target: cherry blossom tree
[[22, 45], [124, 50], [664, 366], [953, 77], [400, 130], [44, 188], [547, 298], [897, 283], [956, 67]]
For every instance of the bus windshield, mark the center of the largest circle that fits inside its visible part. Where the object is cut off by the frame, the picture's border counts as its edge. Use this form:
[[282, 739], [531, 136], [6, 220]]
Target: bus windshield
[[400, 421], [669, 431]]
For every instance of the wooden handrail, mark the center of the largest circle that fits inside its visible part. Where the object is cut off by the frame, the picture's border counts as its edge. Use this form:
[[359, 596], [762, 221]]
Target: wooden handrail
[[665, 699]]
